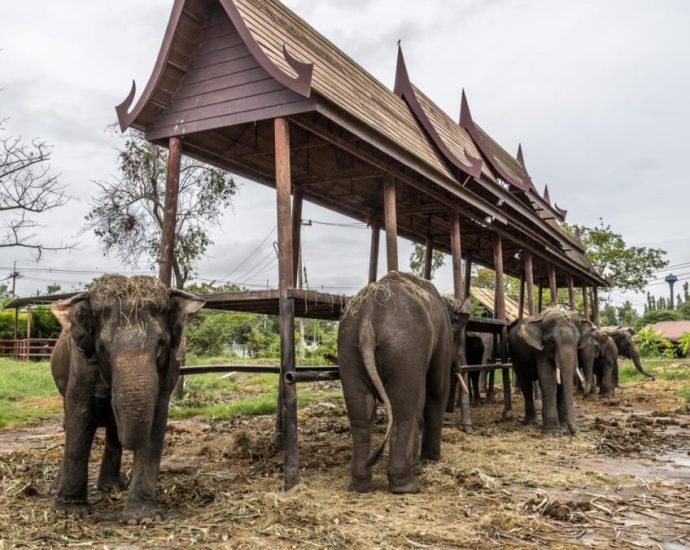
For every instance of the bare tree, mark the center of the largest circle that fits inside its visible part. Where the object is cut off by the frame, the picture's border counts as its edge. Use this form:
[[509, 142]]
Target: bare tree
[[127, 213], [27, 188]]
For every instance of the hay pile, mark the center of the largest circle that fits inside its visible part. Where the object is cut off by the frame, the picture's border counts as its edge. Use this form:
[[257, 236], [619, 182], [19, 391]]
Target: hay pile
[[381, 291], [138, 292]]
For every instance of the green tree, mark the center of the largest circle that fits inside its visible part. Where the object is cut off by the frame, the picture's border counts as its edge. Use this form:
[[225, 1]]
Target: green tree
[[418, 258], [127, 212], [609, 315], [627, 315], [627, 267]]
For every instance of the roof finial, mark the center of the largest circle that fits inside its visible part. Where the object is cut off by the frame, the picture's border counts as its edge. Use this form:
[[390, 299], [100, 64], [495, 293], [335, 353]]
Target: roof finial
[[521, 157], [465, 114], [547, 196], [402, 78], [399, 42]]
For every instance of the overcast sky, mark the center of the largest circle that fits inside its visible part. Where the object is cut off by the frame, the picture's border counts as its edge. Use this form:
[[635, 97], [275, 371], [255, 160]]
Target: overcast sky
[[595, 90]]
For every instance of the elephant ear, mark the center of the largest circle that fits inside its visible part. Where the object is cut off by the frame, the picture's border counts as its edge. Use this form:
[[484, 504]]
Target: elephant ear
[[183, 307], [531, 332], [75, 315], [459, 312], [587, 333]]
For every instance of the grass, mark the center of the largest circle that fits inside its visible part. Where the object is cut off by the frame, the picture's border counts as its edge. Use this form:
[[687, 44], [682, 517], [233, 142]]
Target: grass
[[663, 369], [27, 392]]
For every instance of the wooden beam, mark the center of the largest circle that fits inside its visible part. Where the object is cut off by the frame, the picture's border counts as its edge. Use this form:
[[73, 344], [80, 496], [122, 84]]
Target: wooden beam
[[172, 190], [374, 253], [595, 306], [428, 258], [297, 201], [521, 301], [541, 296], [529, 279], [585, 301], [553, 285], [456, 250], [571, 293], [500, 312], [468, 274], [287, 392], [391, 220]]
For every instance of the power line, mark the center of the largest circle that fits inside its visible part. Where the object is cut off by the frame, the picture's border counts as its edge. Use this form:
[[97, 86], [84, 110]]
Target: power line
[[250, 255]]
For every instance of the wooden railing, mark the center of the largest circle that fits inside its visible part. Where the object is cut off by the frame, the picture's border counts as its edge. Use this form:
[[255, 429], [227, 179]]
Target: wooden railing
[[31, 348]]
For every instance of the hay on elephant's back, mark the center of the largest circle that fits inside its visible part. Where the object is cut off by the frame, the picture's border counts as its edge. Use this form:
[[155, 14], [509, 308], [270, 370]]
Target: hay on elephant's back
[[381, 292], [137, 292]]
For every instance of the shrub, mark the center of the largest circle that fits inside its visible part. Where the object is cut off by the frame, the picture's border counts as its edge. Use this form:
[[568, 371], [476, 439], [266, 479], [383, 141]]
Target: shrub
[[684, 343], [652, 343]]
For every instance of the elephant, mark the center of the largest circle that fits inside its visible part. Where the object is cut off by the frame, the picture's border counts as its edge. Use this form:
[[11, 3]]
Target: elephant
[[398, 342], [115, 365], [479, 350], [597, 355], [623, 337], [545, 348]]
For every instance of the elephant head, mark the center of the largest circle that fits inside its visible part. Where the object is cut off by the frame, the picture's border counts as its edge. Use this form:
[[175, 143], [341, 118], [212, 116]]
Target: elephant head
[[595, 346], [624, 338], [130, 330], [555, 335], [459, 313]]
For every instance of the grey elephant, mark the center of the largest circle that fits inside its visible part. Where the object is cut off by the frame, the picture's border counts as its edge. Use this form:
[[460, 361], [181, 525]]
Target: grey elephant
[[479, 350], [115, 366], [545, 348], [598, 356], [624, 338], [398, 343]]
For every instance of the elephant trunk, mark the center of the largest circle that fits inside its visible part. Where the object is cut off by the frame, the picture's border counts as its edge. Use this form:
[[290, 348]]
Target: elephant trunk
[[566, 362], [587, 362], [134, 398], [637, 360]]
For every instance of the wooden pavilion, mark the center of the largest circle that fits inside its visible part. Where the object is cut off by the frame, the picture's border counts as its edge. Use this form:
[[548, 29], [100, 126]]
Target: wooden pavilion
[[248, 86]]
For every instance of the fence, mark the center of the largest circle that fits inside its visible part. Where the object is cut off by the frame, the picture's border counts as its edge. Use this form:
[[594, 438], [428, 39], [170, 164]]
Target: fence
[[30, 348]]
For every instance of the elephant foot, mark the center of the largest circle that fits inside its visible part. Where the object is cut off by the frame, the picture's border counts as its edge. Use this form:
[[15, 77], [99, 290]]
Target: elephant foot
[[74, 508], [407, 486], [359, 485], [552, 431], [569, 428], [141, 513], [431, 456], [529, 420], [111, 485]]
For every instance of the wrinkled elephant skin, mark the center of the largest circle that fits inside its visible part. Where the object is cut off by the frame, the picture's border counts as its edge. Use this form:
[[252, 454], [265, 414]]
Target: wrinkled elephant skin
[[115, 366]]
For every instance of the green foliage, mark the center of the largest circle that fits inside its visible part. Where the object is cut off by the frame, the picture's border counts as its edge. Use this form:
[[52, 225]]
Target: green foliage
[[609, 315], [418, 258], [684, 343], [486, 278], [628, 267], [127, 213], [657, 316], [651, 343]]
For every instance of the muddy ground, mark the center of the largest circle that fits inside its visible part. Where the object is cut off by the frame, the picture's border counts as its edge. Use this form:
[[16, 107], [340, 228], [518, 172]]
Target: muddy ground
[[622, 482]]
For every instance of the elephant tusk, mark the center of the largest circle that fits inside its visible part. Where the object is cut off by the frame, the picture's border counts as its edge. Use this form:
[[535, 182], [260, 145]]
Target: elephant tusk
[[581, 377], [461, 381], [559, 380]]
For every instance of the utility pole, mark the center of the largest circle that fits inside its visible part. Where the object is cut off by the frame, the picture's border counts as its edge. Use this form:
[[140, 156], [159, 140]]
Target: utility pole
[[14, 276]]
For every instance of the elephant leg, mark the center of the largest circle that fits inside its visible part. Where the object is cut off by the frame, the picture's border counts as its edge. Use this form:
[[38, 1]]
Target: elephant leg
[[566, 413], [436, 393], [141, 505], [608, 375], [452, 395], [528, 395], [616, 383], [404, 438], [475, 385], [80, 428], [109, 478], [361, 409], [549, 389]]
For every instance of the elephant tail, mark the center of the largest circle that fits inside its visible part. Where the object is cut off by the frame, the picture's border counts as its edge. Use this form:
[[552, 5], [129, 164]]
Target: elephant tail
[[367, 347]]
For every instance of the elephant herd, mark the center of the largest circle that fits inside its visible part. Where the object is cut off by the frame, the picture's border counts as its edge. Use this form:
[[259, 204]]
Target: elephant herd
[[400, 341]]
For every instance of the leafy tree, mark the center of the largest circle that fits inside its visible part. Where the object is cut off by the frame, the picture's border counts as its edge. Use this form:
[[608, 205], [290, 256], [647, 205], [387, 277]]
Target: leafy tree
[[657, 316], [418, 258], [627, 267], [27, 189], [53, 288], [127, 212], [609, 315], [651, 343], [627, 315]]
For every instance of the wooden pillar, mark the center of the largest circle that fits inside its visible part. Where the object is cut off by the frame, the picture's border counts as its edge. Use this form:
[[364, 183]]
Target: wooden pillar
[[391, 220], [529, 279], [595, 306], [374, 254], [172, 190], [468, 275], [288, 393], [541, 296], [571, 293], [553, 285], [29, 319], [297, 200], [585, 302], [16, 323], [456, 250], [521, 301], [500, 314], [428, 258]]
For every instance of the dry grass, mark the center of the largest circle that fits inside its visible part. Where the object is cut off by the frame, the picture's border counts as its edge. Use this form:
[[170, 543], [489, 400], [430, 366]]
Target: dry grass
[[504, 486], [381, 291]]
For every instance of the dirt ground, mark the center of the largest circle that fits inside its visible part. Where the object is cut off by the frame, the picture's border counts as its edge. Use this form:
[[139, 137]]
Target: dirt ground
[[622, 482]]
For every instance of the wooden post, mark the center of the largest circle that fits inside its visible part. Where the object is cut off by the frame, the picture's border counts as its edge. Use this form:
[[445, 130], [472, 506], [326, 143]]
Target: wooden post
[[541, 296], [468, 275], [391, 220], [374, 254], [286, 265], [297, 200], [521, 302], [428, 258], [456, 249], [172, 190], [529, 277], [571, 293], [595, 306], [500, 314], [553, 285], [585, 302]]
